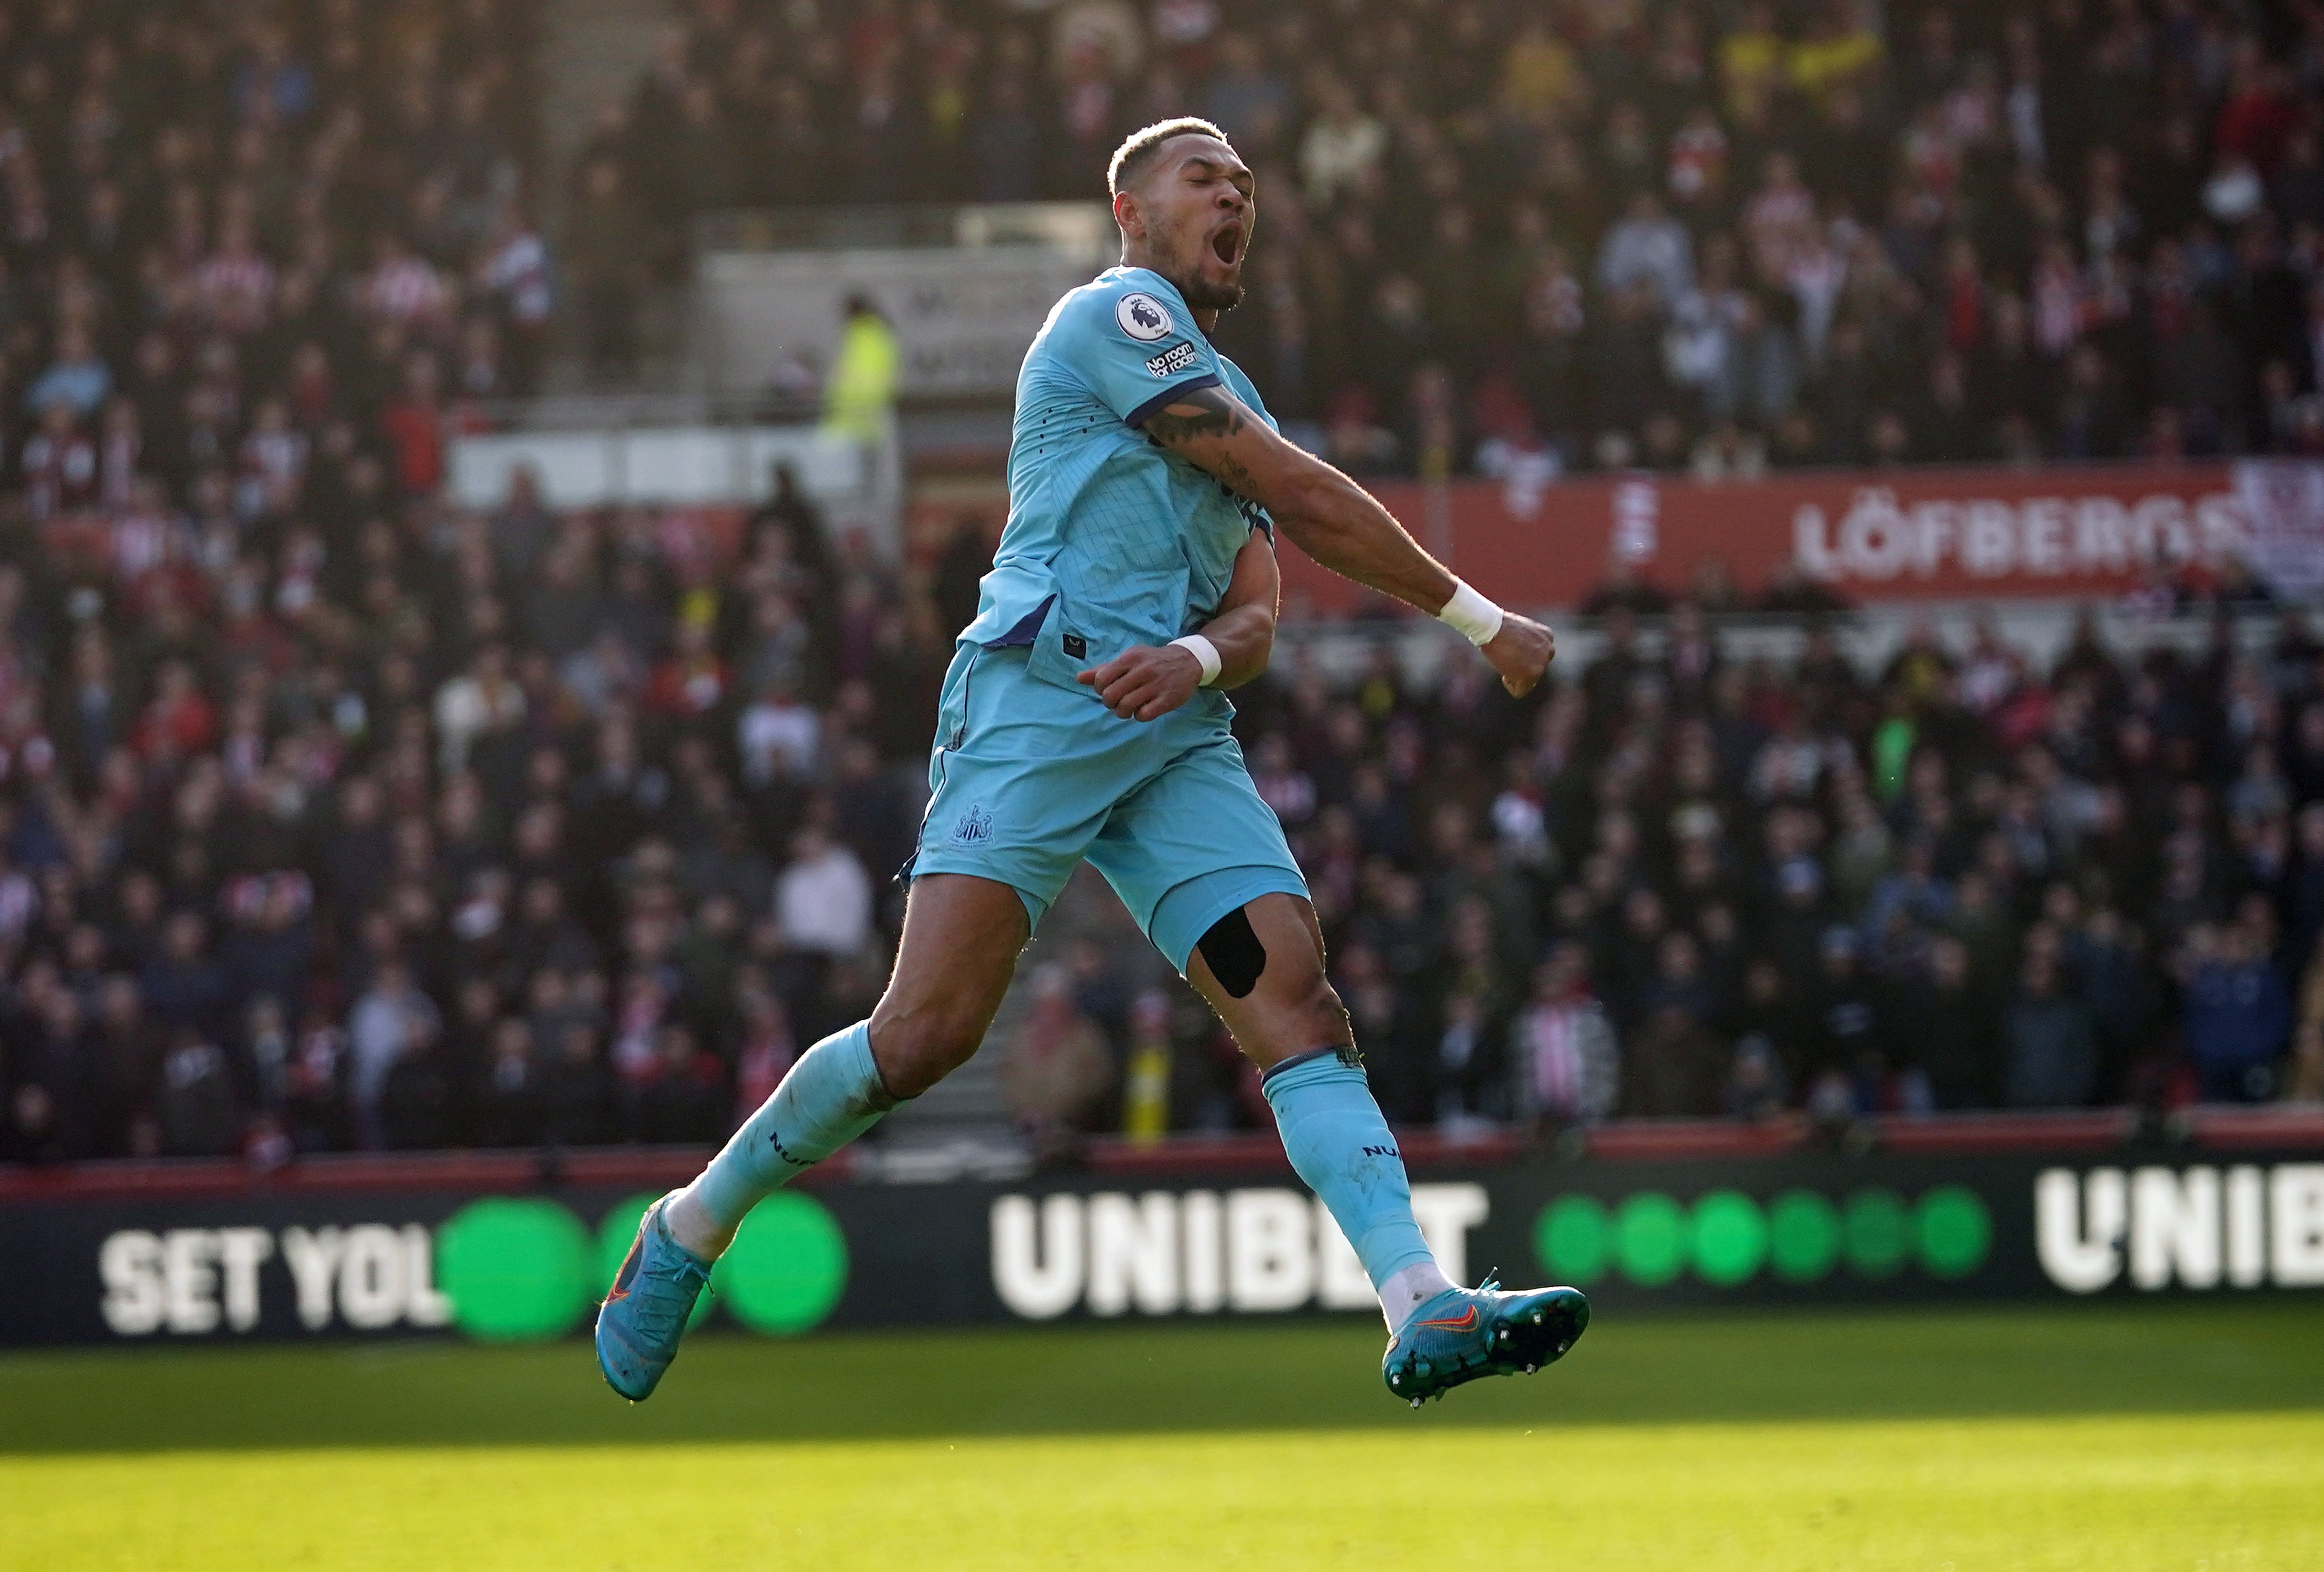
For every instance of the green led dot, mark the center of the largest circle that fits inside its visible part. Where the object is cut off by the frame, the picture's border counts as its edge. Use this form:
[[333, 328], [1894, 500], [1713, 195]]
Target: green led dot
[[1876, 1233], [1573, 1238], [1650, 1239], [786, 1267], [615, 1237], [1730, 1237], [1802, 1236], [514, 1269], [1953, 1231]]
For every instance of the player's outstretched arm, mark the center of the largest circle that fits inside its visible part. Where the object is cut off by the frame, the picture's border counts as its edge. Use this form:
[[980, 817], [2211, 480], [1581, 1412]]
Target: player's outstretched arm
[[1146, 683], [1342, 526]]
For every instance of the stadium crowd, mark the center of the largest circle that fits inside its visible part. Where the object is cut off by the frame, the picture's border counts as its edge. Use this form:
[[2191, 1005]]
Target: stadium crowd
[[1684, 885], [334, 816], [1613, 232], [428, 826], [233, 245]]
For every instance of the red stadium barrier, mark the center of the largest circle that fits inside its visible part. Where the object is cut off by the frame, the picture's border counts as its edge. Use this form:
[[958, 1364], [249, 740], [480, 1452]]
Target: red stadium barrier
[[2221, 1129]]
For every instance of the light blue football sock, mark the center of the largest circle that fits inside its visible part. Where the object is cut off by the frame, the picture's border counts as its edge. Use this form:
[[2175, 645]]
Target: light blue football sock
[[831, 1096], [1342, 1146]]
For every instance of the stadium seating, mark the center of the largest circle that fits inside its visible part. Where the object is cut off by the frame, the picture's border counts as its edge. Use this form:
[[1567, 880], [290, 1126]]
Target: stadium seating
[[1741, 235], [332, 816]]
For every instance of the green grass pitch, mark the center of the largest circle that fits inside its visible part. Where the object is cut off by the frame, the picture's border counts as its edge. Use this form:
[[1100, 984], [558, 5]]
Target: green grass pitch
[[2183, 1436]]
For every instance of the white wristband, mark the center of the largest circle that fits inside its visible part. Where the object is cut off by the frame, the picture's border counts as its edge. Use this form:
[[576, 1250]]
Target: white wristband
[[1471, 615], [1204, 651]]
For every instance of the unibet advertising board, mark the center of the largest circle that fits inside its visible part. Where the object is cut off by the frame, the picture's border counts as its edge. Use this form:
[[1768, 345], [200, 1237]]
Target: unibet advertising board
[[1770, 1232]]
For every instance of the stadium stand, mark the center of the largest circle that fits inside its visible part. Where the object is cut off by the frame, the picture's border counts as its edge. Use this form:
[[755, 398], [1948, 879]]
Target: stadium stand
[[333, 816], [1725, 235]]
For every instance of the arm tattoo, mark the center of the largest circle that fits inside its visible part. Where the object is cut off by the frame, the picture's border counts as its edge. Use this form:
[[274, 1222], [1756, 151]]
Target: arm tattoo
[[1207, 411], [1236, 476]]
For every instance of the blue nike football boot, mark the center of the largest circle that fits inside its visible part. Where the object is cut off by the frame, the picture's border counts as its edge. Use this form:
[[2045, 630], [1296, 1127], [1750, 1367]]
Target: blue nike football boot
[[644, 1315], [1463, 1333]]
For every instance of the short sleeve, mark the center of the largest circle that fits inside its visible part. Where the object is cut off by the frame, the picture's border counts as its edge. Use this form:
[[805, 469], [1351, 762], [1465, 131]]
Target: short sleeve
[[1137, 351]]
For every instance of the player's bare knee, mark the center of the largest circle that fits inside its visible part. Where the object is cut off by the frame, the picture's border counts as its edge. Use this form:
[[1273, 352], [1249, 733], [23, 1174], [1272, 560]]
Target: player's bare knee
[[917, 1046], [912, 1062], [1320, 1007]]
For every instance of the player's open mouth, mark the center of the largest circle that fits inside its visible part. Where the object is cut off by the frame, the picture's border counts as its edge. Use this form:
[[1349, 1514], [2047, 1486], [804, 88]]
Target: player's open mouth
[[1227, 244]]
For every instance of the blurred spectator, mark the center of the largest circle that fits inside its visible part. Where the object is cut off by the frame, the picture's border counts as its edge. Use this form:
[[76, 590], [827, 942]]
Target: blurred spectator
[[508, 1110], [76, 380], [859, 400], [1954, 1035], [1147, 1070], [823, 902], [1649, 247], [1564, 1050], [684, 1102], [415, 1098], [392, 1020], [2050, 1042], [2238, 1015], [576, 1089], [196, 1105], [1675, 1068], [1057, 1069], [608, 264]]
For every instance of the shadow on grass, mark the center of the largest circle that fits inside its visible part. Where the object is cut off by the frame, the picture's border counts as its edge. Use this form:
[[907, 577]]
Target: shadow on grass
[[2155, 1358]]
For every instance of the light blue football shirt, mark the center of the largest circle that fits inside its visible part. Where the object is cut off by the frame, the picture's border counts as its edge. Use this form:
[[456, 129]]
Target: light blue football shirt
[[1112, 540]]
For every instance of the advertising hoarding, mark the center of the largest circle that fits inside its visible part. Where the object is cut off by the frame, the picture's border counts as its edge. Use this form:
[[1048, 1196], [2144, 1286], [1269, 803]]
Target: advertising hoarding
[[1795, 1229], [2090, 531]]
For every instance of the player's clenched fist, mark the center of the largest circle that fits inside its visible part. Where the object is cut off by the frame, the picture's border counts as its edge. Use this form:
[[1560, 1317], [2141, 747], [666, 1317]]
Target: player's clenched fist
[[1144, 683], [1521, 653]]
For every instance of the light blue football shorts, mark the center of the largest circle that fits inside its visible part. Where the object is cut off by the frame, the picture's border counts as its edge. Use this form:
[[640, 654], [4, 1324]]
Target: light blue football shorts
[[1028, 778]]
